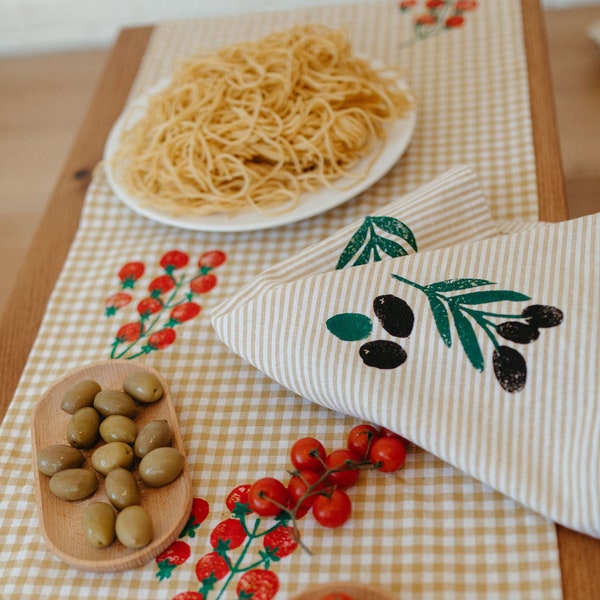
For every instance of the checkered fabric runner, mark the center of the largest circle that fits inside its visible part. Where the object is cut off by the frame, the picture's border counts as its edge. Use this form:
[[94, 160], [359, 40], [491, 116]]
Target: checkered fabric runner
[[428, 531]]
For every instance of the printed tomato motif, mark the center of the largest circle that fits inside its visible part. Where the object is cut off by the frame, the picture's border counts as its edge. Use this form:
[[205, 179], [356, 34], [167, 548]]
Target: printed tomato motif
[[161, 285], [435, 16], [228, 534], [280, 541], [184, 312], [116, 301], [149, 306], [212, 259], [238, 495], [169, 304], [211, 567], [454, 21], [176, 554], [198, 514], [203, 283], [161, 339], [173, 260], [189, 596], [258, 584], [130, 273], [130, 332]]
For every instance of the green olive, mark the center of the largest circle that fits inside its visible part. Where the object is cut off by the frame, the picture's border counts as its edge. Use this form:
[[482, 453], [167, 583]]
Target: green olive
[[53, 459], [161, 466], [82, 430], [143, 387], [115, 402], [79, 395], [134, 527], [121, 488], [118, 428], [155, 434], [74, 484], [111, 456], [99, 524]]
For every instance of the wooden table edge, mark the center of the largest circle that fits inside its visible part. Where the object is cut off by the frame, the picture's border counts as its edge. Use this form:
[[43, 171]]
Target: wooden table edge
[[26, 305], [19, 323]]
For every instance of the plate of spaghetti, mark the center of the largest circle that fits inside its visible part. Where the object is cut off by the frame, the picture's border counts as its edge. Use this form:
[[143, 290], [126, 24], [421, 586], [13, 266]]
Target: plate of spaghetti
[[260, 134]]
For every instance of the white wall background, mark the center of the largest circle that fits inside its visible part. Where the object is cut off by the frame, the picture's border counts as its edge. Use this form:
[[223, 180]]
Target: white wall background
[[33, 26]]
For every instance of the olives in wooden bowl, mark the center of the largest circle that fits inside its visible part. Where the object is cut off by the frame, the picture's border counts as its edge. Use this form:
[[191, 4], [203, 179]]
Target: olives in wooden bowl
[[99, 514]]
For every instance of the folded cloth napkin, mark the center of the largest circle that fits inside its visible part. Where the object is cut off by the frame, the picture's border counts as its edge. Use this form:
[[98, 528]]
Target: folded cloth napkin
[[484, 353]]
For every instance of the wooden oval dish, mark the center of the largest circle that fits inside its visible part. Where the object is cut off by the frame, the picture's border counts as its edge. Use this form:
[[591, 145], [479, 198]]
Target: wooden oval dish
[[357, 591], [60, 520]]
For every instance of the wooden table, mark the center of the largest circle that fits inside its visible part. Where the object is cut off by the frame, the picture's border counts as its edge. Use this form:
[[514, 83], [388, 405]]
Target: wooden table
[[579, 554]]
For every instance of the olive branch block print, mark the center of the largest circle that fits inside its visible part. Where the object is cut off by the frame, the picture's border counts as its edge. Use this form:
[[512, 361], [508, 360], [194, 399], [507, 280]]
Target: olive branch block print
[[457, 307], [372, 239]]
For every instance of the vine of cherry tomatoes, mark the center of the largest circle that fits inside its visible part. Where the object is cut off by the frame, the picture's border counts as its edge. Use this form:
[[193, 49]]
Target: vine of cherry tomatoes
[[319, 480]]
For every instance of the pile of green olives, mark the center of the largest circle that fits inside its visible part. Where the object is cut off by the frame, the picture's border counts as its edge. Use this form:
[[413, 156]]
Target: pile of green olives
[[103, 425]]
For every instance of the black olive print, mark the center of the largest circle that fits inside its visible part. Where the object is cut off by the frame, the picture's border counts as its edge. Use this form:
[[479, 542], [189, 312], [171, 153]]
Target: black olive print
[[541, 315], [395, 315], [518, 332], [510, 368], [382, 354]]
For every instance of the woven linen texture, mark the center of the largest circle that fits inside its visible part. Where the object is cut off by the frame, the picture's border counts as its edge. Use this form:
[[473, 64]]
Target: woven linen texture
[[427, 531]]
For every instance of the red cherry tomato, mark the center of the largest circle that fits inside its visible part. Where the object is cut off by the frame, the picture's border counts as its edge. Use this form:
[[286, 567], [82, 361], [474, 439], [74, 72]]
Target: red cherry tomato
[[130, 273], [298, 485], [388, 454], [162, 338], [258, 584], [203, 283], [161, 285], [185, 312], [174, 259], [308, 454], [130, 332], [229, 530], [332, 510], [212, 259], [238, 495], [360, 439], [281, 541], [345, 478], [149, 306], [266, 497], [211, 565]]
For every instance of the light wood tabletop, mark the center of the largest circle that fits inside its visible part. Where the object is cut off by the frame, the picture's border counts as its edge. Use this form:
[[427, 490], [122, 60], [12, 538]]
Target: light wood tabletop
[[579, 554]]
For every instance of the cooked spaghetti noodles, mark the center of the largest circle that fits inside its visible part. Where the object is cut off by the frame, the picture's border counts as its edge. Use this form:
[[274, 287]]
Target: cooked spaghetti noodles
[[257, 124]]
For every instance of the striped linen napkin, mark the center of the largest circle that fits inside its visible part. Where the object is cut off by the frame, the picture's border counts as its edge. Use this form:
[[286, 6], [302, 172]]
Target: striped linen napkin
[[484, 353]]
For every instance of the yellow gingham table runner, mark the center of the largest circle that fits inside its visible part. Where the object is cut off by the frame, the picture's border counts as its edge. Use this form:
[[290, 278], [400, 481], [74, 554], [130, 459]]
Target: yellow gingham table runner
[[428, 531]]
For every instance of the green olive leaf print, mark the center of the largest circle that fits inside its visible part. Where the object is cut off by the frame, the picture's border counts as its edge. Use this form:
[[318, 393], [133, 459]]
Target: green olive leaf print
[[467, 337], [350, 327], [368, 242], [454, 285]]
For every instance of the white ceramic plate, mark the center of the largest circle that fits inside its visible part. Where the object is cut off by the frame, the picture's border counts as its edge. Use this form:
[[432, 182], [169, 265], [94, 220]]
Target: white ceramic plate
[[310, 204]]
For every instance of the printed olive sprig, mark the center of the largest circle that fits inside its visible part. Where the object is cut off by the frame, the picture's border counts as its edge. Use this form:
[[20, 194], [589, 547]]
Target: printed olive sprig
[[448, 300], [456, 305], [371, 240]]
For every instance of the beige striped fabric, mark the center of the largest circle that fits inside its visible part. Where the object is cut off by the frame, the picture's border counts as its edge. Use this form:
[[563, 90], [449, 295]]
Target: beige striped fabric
[[449, 210], [515, 406]]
